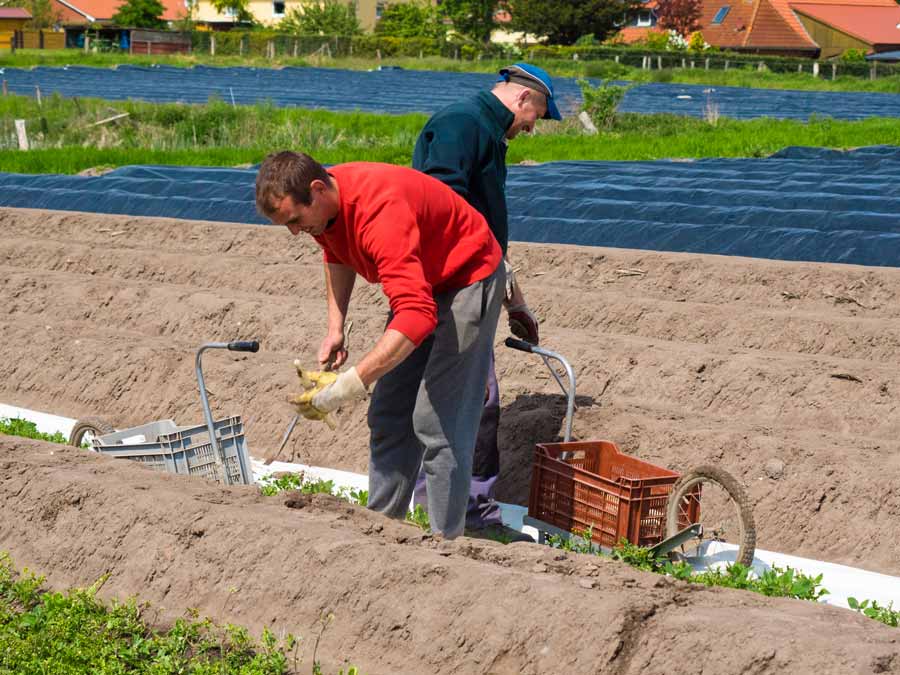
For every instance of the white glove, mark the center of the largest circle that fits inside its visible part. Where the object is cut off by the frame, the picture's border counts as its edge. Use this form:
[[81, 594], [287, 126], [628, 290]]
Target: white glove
[[347, 388]]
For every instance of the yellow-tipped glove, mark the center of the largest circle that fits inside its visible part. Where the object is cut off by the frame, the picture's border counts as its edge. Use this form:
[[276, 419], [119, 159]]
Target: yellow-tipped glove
[[325, 392]]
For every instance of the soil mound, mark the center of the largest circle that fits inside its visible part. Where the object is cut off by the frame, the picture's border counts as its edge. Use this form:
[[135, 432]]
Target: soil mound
[[402, 602]]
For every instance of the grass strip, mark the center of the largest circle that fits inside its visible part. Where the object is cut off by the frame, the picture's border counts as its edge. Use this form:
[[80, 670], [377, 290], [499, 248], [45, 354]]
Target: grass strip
[[16, 426], [742, 75], [66, 140], [55, 633]]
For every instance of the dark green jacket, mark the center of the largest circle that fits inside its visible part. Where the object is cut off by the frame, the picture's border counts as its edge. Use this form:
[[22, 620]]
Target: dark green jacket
[[464, 146]]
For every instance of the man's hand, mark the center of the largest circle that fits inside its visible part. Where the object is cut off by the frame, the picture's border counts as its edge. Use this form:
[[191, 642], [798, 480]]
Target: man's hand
[[331, 391], [523, 324], [332, 352]]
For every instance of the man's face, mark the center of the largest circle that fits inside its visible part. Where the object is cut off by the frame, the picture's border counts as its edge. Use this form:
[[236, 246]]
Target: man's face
[[530, 106], [296, 217]]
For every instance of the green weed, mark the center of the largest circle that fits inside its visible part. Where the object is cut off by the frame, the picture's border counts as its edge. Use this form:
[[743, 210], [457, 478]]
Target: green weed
[[419, 516], [55, 633], [15, 426], [886, 615]]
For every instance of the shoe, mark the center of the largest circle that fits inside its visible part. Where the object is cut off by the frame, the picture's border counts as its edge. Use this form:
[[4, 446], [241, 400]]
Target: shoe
[[501, 533]]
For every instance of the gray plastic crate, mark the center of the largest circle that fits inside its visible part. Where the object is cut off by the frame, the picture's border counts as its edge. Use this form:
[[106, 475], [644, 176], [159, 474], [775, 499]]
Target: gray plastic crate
[[164, 446]]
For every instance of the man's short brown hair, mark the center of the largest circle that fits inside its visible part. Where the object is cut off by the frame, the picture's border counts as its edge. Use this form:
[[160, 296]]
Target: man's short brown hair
[[287, 173]]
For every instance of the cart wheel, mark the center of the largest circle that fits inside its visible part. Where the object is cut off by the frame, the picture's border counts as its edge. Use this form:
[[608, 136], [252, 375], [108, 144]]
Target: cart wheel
[[93, 425], [726, 513]]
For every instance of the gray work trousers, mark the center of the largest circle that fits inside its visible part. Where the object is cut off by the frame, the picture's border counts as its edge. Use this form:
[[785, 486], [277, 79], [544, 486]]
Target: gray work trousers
[[426, 411]]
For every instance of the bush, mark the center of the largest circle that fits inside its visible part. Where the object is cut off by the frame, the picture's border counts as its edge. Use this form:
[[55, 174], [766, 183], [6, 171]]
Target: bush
[[853, 56], [411, 20], [329, 17], [601, 103]]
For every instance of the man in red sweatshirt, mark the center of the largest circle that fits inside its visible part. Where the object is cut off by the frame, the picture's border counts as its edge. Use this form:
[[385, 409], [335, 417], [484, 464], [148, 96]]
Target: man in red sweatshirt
[[439, 266]]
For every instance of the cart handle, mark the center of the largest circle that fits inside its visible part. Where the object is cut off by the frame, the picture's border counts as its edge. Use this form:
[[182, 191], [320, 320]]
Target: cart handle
[[547, 355], [244, 346]]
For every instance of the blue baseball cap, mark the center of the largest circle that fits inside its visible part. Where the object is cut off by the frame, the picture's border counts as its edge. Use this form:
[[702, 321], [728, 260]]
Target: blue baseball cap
[[534, 78]]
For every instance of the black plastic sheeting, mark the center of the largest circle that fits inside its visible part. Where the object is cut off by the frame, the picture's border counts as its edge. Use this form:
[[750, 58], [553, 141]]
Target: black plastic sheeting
[[801, 204], [401, 91]]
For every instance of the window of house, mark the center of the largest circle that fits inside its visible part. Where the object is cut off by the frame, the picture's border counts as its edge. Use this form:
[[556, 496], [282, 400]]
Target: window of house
[[230, 11], [644, 18], [379, 10], [721, 14], [278, 7]]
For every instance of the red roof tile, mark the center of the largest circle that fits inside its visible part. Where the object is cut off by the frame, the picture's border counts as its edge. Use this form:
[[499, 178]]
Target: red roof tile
[[14, 13], [103, 10], [732, 32], [873, 25], [772, 29]]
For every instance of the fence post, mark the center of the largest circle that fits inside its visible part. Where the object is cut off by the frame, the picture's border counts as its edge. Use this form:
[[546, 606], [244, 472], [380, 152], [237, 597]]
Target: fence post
[[617, 58], [873, 70], [815, 69], [683, 63], [295, 48], [378, 54], [87, 42], [693, 64], [659, 63], [37, 96], [22, 134], [833, 71], [799, 67], [40, 39], [726, 64], [241, 46], [212, 45], [760, 67], [351, 46], [5, 88], [148, 47], [706, 65]]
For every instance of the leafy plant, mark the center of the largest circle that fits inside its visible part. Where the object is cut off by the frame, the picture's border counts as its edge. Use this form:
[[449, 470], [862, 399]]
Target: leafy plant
[[15, 426], [140, 14], [419, 516], [579, 542], [854, 56], [682, 16], [601, 102], [886, 615], [325, 17], [564, 21], [473, 19], [411, 20], [637, 556], [74, 632]]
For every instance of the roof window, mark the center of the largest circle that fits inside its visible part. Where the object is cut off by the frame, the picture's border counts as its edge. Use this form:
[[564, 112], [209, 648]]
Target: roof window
[[721, 14]]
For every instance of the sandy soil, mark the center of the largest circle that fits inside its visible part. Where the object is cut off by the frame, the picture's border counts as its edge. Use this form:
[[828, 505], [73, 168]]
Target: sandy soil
[[401, 601], [783, 373]]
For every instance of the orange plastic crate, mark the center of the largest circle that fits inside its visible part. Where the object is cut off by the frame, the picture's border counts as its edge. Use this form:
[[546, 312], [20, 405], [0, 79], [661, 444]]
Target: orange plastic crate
[[590, 484]]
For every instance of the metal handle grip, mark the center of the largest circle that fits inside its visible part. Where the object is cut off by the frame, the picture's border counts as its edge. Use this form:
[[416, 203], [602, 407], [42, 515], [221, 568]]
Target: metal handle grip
[[521, 345], [244, 346]]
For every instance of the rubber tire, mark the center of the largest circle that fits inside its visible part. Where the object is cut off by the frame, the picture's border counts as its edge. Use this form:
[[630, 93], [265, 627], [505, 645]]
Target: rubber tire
[[95, 425], [734, 490]]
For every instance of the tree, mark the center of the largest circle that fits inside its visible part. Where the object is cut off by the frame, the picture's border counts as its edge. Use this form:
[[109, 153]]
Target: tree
[[236, 8], [564, 21], [411, 20], [473, 19], [682, 16], [140, 14], [44, 13], [328, 17]]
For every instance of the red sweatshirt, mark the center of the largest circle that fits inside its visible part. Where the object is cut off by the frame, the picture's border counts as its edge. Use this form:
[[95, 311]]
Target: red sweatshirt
[[410, 233]]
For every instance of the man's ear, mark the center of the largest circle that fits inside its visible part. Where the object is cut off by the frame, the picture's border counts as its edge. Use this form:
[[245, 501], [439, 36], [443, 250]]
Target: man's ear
[[317, 187]]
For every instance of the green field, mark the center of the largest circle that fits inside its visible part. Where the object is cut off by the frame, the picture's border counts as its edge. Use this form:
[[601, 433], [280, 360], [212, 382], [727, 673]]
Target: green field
[[746, 76], [65, 138]]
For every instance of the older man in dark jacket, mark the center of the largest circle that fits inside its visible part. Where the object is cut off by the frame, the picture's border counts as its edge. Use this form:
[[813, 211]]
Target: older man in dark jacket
[[464, 146]]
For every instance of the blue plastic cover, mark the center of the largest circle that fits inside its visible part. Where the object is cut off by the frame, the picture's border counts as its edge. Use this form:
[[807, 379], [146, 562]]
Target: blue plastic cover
[[402, 91], [800, 204]]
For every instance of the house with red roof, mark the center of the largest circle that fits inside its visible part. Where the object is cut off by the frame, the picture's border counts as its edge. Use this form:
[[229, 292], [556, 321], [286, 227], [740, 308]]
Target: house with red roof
[[79, 12], [13, 18], [813, 28]]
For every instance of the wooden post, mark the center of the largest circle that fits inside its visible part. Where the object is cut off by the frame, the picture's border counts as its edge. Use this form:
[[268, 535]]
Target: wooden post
[[21, 134], [726, 64], [241, 46], [760, 67], [693, 64], [378, 54], [270, 50], [799, 67], [420, 55], [212, 45], [351, 47], [5, 88], [815, 69], [684, 63], [37, 96], [617, 58], [873, 70], [148, 47], [833, 71], [659, 63], [706, 64], [87, 42], [296, 48]]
